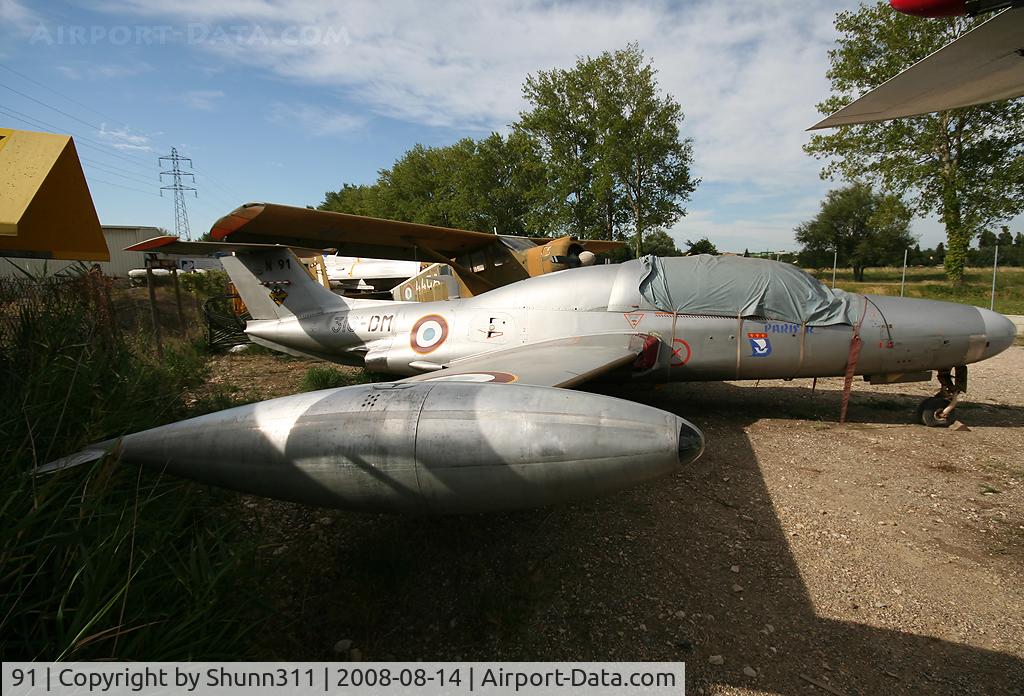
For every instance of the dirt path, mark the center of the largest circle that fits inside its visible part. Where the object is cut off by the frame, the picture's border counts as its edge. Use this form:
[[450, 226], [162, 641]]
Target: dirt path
[[875, 557]]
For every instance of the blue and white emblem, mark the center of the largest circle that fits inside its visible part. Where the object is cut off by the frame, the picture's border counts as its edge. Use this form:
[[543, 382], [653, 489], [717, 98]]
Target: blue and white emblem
[[760, 345]]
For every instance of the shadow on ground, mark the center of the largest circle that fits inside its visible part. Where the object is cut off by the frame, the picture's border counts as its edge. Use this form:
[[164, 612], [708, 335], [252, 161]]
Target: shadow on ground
[[645, 575]]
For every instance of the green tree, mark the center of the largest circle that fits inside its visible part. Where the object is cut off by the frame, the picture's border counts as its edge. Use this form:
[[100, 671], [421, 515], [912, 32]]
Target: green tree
[[423, 185], [502, 187], [987, 238], [488, 184], [966, 164], [1005, 237], [612, 145], [701, 246], [867, 229], [359, 199], [660, 243]]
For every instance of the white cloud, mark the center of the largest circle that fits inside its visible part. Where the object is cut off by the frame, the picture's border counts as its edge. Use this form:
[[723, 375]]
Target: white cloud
[[104, 71], [772, 232], [14, 13], [124, 139], [313, 119], [16, 21], [203, 99], [748, 75]]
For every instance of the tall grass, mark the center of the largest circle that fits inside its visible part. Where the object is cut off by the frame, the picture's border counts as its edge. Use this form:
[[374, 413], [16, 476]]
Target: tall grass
[[931, 283], [106, 560]]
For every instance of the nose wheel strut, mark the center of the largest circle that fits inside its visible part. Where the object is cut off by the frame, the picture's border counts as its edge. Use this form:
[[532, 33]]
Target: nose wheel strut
[[937, 411]]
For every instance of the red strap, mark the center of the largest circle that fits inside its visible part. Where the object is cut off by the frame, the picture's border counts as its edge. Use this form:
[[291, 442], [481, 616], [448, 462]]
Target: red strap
[[851, 363]]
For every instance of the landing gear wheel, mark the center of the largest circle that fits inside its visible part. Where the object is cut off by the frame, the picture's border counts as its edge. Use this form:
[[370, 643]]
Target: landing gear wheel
[[930, 412]]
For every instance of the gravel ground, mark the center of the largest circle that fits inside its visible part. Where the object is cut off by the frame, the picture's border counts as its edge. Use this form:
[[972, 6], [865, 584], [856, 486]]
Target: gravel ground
[[873, 557]]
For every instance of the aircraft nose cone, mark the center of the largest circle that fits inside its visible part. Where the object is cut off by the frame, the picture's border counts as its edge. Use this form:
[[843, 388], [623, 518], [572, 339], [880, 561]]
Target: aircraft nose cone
[[691, 442], [999, 332]]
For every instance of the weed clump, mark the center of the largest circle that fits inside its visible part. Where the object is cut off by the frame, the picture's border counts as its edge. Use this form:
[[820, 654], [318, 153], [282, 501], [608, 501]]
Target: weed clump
[[318, 377], [103, 561]]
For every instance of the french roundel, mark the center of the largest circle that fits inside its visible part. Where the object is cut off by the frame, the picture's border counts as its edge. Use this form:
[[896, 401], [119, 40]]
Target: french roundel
[[428, 333]]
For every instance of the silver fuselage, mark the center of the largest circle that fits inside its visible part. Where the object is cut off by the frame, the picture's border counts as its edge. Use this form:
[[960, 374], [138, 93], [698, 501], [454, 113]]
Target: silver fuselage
[[899, 335]]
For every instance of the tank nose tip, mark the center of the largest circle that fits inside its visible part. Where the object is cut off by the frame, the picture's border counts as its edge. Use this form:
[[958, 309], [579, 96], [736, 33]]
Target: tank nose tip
[[691, 442], [999, 332]]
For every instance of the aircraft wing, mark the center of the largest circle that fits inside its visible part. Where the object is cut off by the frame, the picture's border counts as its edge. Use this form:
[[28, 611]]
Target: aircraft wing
[[563, 362], [595, 246], [354, 235], [984, 65], [169, 244]]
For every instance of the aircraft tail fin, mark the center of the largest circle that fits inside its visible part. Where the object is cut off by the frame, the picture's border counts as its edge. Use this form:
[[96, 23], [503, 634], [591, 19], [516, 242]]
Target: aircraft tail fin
[[274, 284]]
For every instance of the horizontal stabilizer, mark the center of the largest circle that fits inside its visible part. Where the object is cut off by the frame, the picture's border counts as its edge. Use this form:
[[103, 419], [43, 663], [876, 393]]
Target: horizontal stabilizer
[[169, 244]]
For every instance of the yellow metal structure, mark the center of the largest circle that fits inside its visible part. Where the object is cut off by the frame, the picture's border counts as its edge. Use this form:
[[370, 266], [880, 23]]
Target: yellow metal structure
[[46, 211]]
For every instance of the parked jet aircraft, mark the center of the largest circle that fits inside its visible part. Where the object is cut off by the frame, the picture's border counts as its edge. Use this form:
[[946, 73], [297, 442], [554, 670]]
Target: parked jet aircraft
[[354, 275], [475, 425], [481, 261], [984, 65]]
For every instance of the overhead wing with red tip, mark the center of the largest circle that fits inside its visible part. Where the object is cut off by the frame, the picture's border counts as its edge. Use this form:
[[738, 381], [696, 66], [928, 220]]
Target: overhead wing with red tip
[[984, 65], [356, 235], [930, 8], [950, 8]]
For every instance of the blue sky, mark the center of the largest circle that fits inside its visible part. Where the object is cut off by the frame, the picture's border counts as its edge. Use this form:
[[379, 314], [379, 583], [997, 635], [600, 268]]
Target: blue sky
[[282, 100]]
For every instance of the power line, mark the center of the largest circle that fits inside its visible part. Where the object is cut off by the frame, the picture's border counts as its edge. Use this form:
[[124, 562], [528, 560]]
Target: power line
[[111, 166], [81, 139], [219, 196], [137, 159], [98, 129], [226, 189], [113, 173], [110, 169], [93, 180], [59, 94], [54, 108], [134, 160]]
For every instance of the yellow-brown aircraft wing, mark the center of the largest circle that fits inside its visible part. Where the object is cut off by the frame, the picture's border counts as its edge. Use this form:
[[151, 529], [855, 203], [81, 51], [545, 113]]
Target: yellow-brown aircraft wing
[[563, 362], [601, 246], [353, 235]]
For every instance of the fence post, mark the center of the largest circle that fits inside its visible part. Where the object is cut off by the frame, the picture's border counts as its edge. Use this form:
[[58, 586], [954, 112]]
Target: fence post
[[995, 266], [835, 262], [177, 297], [153, 311], [903, 280]]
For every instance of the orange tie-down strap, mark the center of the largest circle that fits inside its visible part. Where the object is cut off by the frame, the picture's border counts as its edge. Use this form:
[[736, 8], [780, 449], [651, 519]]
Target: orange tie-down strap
[[851, 364]]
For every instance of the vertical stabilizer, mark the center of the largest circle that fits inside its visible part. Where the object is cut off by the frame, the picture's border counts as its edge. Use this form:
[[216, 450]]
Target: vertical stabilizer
[[274, 284]]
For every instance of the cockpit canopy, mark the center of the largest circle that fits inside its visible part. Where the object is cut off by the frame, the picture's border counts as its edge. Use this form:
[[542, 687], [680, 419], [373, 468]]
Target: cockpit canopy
[[744, 287]]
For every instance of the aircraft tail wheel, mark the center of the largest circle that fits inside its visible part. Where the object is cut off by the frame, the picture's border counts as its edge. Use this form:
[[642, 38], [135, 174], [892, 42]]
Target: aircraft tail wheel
[[930, 411]]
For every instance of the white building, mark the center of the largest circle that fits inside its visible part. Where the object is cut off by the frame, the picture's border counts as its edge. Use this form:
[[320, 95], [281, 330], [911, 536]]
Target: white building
[[118, 237]]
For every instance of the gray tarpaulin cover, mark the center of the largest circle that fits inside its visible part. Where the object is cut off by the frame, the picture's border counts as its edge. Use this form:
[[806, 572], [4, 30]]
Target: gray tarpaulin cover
[[737, 286]]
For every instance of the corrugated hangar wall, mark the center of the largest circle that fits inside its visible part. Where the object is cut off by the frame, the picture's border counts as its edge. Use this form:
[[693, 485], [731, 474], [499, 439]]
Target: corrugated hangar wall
[[121, 261]]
